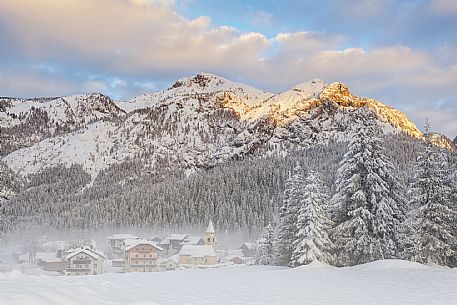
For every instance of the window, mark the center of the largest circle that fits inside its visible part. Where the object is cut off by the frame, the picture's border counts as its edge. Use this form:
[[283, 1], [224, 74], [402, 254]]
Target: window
[[95, 265], [209, 239]]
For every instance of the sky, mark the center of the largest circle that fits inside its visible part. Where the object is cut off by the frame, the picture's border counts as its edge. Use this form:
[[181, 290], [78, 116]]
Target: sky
[[400, 52]]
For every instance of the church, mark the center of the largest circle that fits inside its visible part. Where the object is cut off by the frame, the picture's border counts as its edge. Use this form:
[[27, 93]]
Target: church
[[200, 255]]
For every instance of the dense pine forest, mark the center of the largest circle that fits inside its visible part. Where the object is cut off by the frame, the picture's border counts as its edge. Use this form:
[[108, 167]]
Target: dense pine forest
[[372, 213]]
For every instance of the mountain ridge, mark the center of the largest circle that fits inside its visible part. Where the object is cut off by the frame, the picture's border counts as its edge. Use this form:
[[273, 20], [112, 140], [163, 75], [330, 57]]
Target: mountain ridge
[[198, 122]]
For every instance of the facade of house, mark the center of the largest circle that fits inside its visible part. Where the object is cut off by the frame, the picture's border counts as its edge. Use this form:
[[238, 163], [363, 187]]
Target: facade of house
[[236, 259], [142, 257], [172, 262], [50, 261], [118, 262], [84, 261], [118, 242]]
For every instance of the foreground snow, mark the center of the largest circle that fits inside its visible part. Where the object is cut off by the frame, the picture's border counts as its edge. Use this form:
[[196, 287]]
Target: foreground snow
[[385, 282]]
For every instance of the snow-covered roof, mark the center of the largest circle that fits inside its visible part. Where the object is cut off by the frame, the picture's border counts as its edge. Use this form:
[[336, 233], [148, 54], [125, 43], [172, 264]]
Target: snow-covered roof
[[180, 236], [143, 242], [192, 240], [123, 236], [230, 257], [210, 228], [197, 250], [99, 253], [24, 257], [249, 246], [174, 237], [48, 257], [235, 252], [85, 251]]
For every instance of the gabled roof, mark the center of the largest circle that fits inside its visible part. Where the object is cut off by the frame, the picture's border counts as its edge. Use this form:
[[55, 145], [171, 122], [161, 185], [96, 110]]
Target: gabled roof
[[85, 251], [142, 242], [230, 257], [193, 240], [180, 236], [210, 228], [47, 257], [248, 246], [197, 250]]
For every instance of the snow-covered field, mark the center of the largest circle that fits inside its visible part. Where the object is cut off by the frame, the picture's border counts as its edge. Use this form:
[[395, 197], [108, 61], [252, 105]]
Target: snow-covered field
[[378, 283]]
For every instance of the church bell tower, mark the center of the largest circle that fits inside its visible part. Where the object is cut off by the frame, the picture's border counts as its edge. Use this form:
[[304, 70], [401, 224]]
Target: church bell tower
[[210, 235]]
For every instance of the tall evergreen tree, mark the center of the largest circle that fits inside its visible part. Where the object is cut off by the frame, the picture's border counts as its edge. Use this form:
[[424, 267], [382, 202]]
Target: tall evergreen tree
[[312, 241], [287, 230], [266, 253], [433, 220], [367, 207]]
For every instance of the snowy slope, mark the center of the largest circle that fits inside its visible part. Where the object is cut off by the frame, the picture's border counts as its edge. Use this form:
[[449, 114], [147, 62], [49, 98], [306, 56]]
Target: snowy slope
[[198, 122], [26, 122], [378, 283], [202, 83]]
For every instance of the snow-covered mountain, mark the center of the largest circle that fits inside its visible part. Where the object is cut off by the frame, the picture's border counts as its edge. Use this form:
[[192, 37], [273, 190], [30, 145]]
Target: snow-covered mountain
[[443, 141], [196, 123], [26, 122]]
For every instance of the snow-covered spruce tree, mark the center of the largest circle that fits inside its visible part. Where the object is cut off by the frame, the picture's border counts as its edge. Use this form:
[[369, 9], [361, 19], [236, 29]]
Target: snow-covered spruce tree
[[287, 228], [312, 241], [433, 233], [266, 252], [367, 207]]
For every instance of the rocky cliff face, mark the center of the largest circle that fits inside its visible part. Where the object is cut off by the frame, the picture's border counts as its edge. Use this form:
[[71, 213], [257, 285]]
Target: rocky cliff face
[[198, 122]]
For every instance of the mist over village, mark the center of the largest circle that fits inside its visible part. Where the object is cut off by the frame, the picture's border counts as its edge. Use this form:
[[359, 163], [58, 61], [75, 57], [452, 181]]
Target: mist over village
[[170, 152]]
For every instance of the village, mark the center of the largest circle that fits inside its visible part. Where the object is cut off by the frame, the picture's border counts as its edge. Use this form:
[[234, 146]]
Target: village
[[130, 253]]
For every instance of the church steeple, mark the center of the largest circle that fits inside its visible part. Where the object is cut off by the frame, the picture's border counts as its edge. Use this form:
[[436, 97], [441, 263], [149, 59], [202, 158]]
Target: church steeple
[[210, 236]]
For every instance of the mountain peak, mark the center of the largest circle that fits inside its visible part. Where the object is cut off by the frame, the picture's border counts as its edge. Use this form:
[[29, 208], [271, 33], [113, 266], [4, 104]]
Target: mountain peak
[[201, 80], [311, 88], [337, 92]]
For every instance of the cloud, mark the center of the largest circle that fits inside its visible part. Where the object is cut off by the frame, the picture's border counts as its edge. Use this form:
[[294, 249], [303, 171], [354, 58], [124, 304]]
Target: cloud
[[123, 36], [126, 47], [444, 7]]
